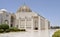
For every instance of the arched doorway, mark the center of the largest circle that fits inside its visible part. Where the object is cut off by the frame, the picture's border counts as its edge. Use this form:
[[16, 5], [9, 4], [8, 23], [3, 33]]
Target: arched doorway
[[12, 21], [35, 21]]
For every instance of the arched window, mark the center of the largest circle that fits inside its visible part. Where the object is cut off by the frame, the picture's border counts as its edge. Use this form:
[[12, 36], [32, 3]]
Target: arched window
[[6, 21]]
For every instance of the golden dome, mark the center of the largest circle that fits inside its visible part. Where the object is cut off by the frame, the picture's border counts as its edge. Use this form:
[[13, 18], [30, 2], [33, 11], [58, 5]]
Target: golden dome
[[24, 8]]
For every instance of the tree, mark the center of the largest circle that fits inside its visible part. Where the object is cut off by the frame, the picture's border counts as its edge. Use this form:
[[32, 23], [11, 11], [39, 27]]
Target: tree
[[4, 26], [56, 34]]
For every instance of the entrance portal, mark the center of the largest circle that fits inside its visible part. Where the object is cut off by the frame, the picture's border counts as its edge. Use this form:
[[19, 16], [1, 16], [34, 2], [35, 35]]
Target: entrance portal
[[36, 28]]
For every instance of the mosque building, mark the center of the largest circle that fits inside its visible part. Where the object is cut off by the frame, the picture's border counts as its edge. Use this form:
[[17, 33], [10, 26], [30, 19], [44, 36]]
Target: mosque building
[[24, 18]]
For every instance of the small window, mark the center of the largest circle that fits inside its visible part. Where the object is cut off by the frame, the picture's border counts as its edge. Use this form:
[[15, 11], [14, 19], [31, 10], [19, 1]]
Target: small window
[[7, 15], [11, 25], [28, 19], [6, 21]]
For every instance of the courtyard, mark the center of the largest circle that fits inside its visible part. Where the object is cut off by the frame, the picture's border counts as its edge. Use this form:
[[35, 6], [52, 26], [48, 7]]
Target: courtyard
[[42, 33]]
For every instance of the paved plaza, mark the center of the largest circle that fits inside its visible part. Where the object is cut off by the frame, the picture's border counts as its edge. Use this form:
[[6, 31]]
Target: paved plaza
[[42, 33]]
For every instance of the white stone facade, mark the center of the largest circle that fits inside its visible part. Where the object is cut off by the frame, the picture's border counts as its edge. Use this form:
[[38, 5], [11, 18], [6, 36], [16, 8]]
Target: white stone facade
[[4, 17], [24, 18]]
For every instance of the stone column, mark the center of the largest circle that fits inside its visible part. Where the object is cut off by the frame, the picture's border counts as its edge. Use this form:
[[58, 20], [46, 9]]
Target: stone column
[[46, 28], [25, 23], [39, 23], [9, 20], [46, 24], [32, 24], [19, 23]]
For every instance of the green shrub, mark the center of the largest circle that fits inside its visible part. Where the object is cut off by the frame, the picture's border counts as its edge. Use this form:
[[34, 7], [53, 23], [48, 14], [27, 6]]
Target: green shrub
[[22, 30], [56, 34], [7, 30], [4, 26], [14, 29], [1, 30]]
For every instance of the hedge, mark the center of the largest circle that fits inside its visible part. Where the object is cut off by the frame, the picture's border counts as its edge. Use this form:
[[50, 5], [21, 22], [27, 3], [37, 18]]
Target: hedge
[[56, 34]]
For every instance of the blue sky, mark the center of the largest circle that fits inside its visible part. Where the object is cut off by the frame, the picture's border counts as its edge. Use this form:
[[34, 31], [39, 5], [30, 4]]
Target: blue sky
[[50, 9]]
